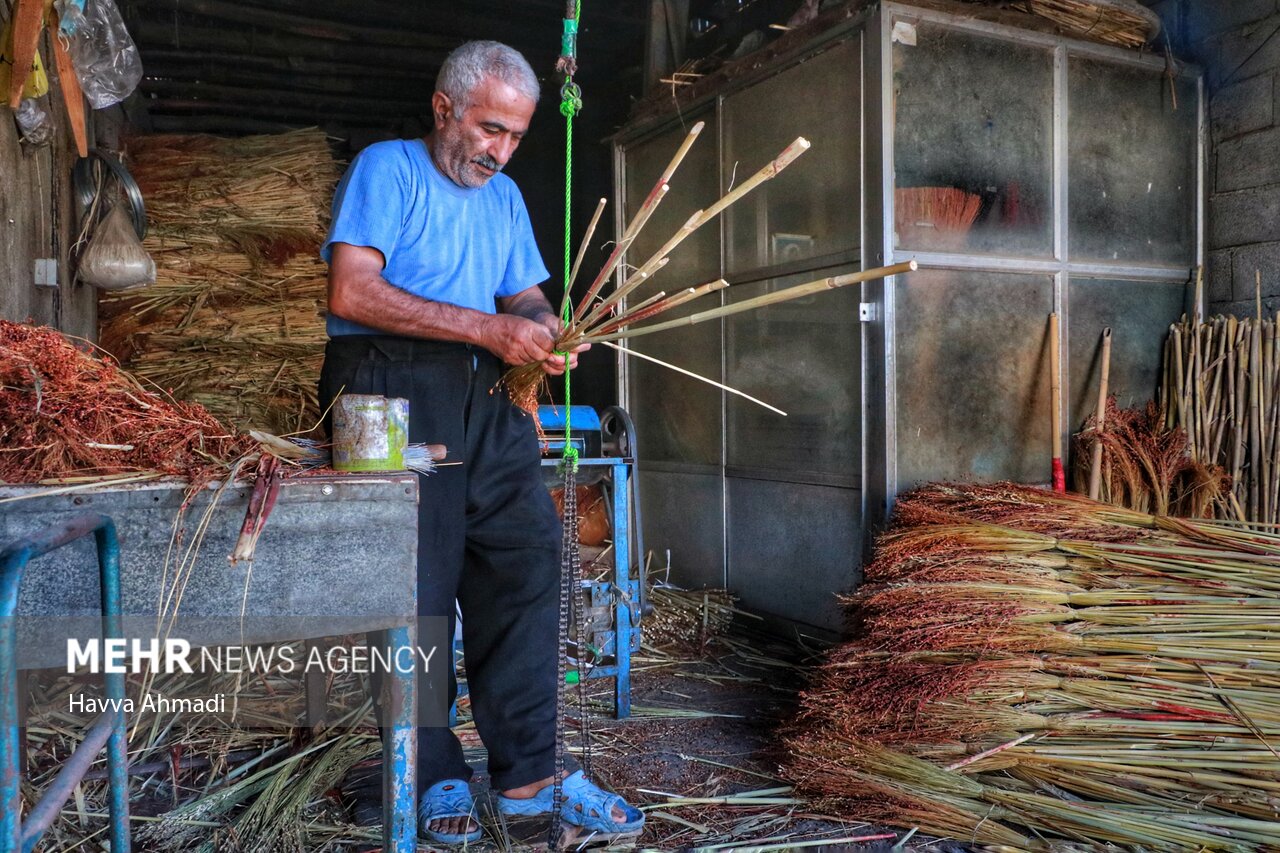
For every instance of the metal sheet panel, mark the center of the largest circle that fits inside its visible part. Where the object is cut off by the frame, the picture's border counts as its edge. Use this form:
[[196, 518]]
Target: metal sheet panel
[[679, 418], [973, 376], [793, 548], [803, 356], [1133, 165], [976, 114], [337, 556], [811, 209], [684, 515], [1139, 314]]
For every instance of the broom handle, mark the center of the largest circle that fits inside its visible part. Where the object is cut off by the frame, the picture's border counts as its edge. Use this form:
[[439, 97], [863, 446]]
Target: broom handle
[[582, 253], [1055, 385], [1100, 418], [794, 292]]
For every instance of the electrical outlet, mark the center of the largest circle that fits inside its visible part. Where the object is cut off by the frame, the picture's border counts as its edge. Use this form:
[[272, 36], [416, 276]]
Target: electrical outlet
[[46, 273]]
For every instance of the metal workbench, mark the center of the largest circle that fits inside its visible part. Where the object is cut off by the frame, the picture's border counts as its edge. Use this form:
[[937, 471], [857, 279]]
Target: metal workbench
[[338, 556]]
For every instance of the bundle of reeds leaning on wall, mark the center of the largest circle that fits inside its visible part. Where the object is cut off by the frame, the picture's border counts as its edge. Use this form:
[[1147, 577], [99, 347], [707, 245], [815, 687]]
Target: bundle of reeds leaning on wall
[[235, 320], [1032, 670], [1221, 385]]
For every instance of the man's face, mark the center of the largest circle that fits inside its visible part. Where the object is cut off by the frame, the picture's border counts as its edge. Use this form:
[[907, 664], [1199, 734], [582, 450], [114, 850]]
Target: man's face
[[472, 149]]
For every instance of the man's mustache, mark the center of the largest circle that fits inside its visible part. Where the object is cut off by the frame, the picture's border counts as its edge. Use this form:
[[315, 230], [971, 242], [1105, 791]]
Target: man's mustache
[[488, 162]]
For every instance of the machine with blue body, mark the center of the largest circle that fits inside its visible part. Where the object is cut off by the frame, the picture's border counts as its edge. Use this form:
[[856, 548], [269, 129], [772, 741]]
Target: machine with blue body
[[612, 607]]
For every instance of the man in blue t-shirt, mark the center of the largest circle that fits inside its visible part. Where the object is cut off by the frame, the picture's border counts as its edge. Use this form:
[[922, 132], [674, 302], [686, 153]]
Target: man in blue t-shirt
[[433, 285]]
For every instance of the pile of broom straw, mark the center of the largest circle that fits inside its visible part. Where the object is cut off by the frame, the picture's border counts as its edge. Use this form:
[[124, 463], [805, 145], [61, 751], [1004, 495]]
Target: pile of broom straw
[[235, 320], [1034, 671], [1221, 384]]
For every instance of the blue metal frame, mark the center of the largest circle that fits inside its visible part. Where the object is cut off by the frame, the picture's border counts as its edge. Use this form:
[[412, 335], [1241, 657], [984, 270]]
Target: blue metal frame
[[400, 752], [623, 591], [109, 728], [400, 737]]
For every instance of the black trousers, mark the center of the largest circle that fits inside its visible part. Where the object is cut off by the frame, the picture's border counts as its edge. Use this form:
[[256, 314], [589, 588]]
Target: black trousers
[[488, 536]]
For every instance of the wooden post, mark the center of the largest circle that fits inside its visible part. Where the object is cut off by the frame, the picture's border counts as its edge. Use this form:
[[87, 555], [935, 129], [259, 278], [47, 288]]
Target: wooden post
[[1055, 384], [1100, 418]]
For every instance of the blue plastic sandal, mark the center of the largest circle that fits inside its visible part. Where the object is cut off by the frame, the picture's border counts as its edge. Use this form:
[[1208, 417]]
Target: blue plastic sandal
[[585, 805], [443, 800]]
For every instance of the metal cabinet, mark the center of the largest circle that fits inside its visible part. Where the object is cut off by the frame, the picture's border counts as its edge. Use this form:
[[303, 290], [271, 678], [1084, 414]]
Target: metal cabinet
[[1026, 173]]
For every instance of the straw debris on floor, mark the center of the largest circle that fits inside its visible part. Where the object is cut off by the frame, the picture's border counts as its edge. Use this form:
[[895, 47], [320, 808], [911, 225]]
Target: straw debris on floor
[[235, 320], [699, 755], [1035, 670]]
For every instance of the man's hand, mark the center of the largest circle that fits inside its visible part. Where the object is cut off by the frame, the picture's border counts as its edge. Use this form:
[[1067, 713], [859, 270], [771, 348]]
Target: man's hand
[[555, 366], [517, 340]]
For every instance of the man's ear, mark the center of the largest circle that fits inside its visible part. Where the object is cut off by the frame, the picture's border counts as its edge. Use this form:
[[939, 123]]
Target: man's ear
[[441, 108]]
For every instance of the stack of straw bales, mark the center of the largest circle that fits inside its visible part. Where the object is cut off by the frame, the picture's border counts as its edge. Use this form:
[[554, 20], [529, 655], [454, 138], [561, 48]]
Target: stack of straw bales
[[235, 320]]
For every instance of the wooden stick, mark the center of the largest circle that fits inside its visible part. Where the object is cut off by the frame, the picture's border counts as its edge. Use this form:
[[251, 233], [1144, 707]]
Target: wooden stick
[[28, 18], [702, 217], [1176, 338], [693, 375], [1195, 430], [770, 171], [681, 151], [642, 309], [646, 309], [650, 204], [72, 95], [1055, 386], [1255, 400], [582, 251], [677, 299], [774, 298], [1240, 403], [620, 248], [1100, 418]]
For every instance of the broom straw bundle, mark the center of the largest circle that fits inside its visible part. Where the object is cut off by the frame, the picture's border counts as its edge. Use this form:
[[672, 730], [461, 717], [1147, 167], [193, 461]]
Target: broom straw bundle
[[1031, 667]]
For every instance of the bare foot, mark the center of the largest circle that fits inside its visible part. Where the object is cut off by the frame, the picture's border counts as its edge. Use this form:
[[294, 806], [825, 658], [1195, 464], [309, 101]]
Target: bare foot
[[454, 825]]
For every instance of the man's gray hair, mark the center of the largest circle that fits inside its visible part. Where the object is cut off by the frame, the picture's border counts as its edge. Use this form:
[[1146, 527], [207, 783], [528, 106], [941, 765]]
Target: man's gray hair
[[468, 66]]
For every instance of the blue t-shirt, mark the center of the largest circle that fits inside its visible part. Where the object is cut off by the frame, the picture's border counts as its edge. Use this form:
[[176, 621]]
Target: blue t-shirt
[[439, 241]]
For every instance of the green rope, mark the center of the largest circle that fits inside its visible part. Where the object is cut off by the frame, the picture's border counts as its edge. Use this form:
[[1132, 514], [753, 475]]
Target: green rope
[[570, 104]]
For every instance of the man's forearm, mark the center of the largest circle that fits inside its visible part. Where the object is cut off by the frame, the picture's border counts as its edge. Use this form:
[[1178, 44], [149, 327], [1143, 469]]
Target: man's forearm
[[382, 306], [531, 304]]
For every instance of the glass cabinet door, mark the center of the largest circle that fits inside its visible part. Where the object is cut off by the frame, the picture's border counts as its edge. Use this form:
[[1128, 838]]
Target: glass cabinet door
[[1132, 195], [973, 144], [678, 417], [812, 209]]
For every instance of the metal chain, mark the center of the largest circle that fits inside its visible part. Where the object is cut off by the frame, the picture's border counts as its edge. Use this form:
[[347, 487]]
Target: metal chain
[[581, 590], [568, 579], [570, 553]]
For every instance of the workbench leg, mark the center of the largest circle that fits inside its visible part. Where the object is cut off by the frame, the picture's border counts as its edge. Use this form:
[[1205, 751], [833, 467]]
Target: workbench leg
[[400, 748], [118, 742], [24, 695], [317, 693], [624, 605]]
